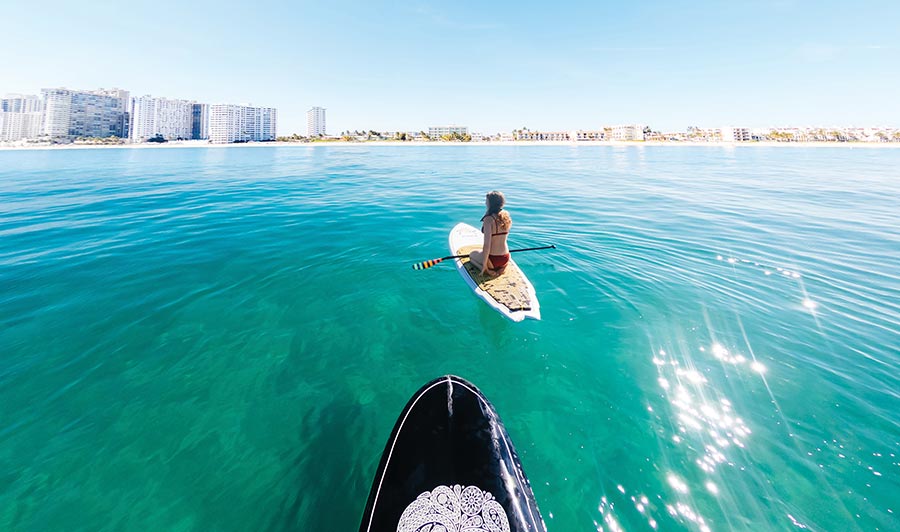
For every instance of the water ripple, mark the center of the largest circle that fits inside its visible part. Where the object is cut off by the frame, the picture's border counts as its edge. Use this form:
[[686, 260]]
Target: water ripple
[[238, 328]]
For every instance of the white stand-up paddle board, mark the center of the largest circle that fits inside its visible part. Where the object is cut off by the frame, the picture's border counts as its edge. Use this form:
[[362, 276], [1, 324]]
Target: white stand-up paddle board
[[510, 294]]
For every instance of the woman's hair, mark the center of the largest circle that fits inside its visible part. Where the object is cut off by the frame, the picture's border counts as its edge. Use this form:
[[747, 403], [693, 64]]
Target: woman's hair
[[495, 202]]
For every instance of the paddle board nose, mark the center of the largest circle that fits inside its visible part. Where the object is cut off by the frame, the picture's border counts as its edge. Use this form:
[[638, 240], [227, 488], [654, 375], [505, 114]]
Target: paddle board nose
[[449, 464]]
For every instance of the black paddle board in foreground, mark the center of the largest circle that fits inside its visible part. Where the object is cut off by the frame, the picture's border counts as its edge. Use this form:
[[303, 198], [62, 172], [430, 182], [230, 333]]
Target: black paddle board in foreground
[[450, 466]]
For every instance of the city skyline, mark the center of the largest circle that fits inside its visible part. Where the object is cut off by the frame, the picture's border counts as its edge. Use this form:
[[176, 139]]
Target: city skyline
[[64, 115], [315, 117], [494, 67]]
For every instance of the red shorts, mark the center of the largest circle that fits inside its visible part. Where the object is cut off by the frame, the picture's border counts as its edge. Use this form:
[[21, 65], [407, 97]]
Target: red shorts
[[499, 261]]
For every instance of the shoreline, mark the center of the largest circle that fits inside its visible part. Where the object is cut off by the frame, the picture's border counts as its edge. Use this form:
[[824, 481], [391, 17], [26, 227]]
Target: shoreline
[[613, 143]]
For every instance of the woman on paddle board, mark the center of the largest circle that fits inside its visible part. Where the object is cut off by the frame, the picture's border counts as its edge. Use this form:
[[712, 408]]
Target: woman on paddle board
[[495, 226]]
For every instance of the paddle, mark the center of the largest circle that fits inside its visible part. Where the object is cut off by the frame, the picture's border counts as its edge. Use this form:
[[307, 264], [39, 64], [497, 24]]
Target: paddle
[[429, 263]]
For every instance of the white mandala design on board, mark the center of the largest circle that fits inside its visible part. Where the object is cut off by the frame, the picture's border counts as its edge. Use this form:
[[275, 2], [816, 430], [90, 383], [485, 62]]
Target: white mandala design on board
[[455, 509]]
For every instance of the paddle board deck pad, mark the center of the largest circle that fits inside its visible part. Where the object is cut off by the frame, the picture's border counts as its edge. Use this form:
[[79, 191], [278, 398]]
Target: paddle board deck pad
[[449, 465], [510, 294]]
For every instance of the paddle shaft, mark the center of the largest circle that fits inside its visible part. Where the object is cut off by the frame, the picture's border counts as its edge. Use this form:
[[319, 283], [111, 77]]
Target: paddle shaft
[[429, 263], [511, 251]]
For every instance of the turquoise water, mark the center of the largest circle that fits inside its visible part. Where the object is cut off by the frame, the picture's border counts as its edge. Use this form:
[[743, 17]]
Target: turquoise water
[[221, 339]]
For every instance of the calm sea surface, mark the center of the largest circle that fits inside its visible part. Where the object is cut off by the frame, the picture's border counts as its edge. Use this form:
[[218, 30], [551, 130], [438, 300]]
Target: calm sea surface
[[222, 339]]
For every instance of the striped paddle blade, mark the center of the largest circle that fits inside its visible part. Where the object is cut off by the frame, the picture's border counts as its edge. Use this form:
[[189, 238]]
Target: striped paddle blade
[[427, 264]]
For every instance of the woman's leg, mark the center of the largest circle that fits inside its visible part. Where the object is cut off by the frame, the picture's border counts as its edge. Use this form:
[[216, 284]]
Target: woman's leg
[[476, 258]]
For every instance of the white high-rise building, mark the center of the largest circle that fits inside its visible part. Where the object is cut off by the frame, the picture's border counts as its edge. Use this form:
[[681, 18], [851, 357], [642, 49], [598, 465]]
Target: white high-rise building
[[315, 122], [21, 103], [20, 117], [170, 119], [71, 113], [240, 123], [265, 125], [226, 124]]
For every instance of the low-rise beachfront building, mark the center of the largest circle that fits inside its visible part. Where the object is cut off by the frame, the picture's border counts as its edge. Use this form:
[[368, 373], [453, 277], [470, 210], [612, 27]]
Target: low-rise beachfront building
[[758, 134], [199, 121], [793, 134], [397, 135], [524, 134], [69, 114], [675, 136], [241, 123], [889, 135], [872, 134], [160, 117], [20, 117], [736, 134], [436, 132], [559, 136], [315, 122], [588, 136], [628, 132], [696, 134]]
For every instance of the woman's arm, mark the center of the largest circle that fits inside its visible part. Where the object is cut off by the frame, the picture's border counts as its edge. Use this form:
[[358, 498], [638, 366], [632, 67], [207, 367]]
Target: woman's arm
[[486, 246]]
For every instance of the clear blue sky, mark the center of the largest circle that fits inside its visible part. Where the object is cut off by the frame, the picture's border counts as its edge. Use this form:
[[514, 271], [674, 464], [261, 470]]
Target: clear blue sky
[[493, 66]]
